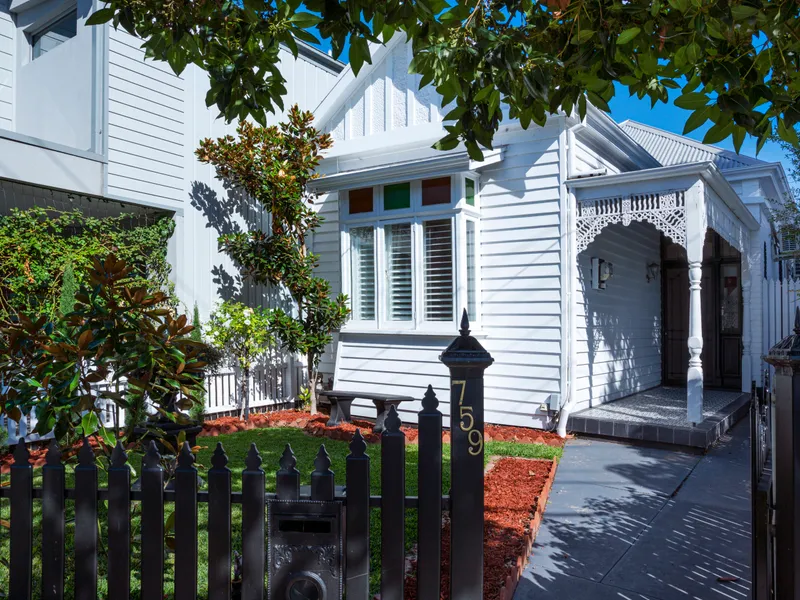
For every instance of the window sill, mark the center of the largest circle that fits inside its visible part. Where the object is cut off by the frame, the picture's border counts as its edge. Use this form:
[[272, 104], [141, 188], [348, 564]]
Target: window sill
[[409, 332]]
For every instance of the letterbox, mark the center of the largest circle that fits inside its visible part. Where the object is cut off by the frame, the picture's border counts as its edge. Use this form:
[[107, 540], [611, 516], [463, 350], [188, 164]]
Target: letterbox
[[305, 550]]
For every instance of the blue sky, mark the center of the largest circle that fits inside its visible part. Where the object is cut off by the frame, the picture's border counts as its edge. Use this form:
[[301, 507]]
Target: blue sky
[[672, 118]]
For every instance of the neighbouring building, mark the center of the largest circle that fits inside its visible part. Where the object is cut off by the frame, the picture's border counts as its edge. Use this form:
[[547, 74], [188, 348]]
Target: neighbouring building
[[87, 122]]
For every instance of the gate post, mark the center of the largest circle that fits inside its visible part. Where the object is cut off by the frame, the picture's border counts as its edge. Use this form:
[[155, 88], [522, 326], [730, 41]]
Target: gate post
[[785, 357], [467, 360]]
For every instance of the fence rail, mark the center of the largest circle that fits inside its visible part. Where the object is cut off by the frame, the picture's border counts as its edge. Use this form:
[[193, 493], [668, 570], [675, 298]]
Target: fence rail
[[293, 543]]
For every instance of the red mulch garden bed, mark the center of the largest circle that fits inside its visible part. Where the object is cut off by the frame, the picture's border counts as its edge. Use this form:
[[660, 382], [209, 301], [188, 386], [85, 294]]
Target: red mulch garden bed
[[515, 494], [316, 426]]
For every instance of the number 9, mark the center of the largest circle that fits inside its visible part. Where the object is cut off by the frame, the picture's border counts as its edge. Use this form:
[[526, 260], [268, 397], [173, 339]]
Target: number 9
[[476, 442]]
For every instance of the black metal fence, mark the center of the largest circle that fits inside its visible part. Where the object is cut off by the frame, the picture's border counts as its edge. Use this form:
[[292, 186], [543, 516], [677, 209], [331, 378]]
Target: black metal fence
[[761, 491], [154, 494]]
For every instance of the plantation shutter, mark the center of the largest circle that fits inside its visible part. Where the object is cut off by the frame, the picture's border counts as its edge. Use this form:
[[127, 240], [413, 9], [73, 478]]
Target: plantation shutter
[[472, 291], [399, 287], [362, 273], [438, 270]]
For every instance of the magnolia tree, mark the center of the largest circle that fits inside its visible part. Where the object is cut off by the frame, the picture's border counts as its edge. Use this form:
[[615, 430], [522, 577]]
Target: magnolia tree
[[733, 63], [274, 166], [243, 333], [115, 333]]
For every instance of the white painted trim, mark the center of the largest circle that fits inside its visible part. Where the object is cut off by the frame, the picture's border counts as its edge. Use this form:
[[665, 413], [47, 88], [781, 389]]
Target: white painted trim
[[347, 83], [662, 176], [433, 166]]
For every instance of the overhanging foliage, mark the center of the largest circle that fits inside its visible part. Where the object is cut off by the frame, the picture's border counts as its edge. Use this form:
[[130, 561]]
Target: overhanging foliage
[[735, 61]]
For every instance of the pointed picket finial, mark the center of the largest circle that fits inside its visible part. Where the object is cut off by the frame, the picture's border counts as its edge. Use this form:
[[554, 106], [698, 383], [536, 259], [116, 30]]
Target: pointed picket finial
[[53, 458], [253, 460], [797, 320], [119, 458], [358, 446], [219, 460], [86, 454], [186, 457], [288, 462], [21, 454], [152, 459], [392, 422], [430, 403], [465, 323], [322, 463]]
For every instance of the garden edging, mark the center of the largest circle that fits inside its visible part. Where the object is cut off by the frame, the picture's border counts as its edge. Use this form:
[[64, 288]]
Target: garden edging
[[507, 591]]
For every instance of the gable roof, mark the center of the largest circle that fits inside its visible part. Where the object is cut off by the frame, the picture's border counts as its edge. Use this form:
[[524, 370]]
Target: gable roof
[[673, 149]]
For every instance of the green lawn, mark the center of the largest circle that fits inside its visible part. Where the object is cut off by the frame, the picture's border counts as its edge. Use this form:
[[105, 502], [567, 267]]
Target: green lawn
[[270, 443]]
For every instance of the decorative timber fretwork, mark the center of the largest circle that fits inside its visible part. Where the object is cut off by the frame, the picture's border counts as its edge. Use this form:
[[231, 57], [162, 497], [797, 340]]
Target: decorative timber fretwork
[[722, 220], [666, 211]]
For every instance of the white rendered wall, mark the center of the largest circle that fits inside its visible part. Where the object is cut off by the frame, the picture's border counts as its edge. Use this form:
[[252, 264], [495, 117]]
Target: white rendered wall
[[54, 94], [619, 328]]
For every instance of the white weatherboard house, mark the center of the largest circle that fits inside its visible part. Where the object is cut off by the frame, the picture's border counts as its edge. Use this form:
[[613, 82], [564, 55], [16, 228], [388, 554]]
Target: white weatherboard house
[[596, 260]]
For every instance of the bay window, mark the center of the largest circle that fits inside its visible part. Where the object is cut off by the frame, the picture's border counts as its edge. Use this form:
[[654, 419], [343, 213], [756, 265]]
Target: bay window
[[413, 262]]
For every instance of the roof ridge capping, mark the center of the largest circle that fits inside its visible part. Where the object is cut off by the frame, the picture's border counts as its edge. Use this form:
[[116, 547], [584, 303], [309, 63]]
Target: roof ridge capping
[[670, 154]]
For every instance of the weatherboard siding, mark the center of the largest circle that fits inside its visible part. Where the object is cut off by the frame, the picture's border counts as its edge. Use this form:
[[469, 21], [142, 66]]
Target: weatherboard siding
[[388, 99], [618, 329], [7, 31], [206, 275], [521, 299], [146, 112]]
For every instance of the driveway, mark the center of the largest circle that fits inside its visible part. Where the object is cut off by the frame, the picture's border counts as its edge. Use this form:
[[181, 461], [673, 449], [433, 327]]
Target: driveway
[[633, 523]]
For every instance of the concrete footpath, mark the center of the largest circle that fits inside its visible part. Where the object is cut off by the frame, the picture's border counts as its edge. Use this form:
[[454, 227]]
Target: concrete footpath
[[633, 523]]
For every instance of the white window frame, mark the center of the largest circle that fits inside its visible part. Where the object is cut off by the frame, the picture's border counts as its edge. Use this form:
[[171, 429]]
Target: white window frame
[[458, 211], [347, 273]]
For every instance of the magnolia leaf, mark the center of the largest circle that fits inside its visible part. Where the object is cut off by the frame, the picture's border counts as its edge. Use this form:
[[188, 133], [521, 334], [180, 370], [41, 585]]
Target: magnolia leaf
[[628, 35]]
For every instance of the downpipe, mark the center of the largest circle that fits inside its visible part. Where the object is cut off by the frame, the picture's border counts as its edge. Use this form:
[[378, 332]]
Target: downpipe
[[562, 416]]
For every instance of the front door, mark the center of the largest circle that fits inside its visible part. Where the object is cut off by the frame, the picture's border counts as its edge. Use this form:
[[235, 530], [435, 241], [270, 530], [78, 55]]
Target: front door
[[721, 305]]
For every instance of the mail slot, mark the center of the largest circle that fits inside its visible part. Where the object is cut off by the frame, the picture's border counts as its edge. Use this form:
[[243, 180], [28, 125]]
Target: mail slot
[[305, 550]]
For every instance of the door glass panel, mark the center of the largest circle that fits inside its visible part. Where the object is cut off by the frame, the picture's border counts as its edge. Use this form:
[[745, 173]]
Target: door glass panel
[[730, 298]]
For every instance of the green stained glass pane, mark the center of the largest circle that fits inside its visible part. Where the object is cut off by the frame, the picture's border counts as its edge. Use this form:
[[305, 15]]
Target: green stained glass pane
[[470, 192], [396, 196]]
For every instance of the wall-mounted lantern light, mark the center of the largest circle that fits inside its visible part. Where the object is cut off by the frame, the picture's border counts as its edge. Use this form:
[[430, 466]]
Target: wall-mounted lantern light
[[652, 271], [601, 272]]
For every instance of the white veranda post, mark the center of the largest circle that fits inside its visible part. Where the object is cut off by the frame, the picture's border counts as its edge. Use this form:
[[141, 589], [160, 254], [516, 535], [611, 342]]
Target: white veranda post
[[747, 337], [696, 225]]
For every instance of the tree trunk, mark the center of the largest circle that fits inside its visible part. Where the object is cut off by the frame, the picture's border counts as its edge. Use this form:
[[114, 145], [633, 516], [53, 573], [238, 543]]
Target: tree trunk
[[312, 385], [244, 409]]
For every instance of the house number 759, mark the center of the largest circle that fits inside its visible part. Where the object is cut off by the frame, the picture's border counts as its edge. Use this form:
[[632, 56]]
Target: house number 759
[[467, 423]]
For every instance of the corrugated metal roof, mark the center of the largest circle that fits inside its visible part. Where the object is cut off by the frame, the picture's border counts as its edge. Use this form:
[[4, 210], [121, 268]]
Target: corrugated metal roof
[[673, 149]]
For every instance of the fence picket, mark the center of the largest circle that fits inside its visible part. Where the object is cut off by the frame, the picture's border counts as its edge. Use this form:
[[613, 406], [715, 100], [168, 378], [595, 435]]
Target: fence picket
[[152, 523], [253, 527], [119, 525], [86, 524], [287, 481], [393, 488], [21, 555], [430, 505], [357, 515], [186, 526], [219, 526], [53, 484], [322, 479]]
